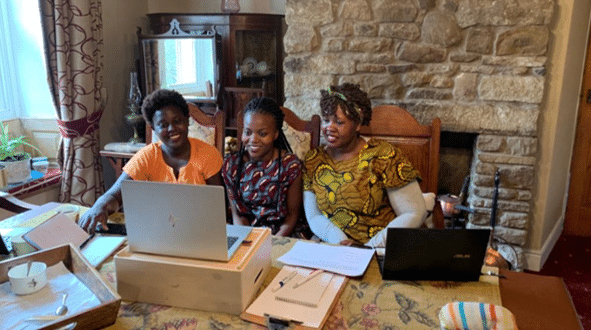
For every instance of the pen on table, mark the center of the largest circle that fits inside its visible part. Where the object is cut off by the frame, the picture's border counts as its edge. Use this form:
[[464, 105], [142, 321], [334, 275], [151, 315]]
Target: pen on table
[[309, 277], [284, 281], [87, 240]]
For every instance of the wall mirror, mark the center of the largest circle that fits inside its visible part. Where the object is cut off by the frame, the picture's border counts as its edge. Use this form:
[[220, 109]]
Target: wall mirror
[[185, 62]]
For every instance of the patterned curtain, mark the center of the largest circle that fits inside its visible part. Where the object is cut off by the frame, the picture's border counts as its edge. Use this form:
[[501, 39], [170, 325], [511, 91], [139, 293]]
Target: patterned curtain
[[72, 31]]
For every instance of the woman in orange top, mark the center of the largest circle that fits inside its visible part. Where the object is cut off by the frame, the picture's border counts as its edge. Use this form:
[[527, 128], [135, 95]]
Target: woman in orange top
[[175, 158]]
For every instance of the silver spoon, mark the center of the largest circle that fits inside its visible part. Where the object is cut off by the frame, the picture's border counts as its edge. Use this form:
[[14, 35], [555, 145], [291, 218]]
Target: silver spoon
[[62, 309], [28, 267]]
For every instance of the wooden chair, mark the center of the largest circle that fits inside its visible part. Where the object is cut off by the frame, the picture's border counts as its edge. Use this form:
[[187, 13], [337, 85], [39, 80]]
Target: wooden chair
[[302, 135], [13, 204], [419, 143], [201, 126], [236, 100]]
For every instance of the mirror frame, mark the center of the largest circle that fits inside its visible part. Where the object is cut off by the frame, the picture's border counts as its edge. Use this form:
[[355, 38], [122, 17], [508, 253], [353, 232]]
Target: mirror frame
[[175, 32]]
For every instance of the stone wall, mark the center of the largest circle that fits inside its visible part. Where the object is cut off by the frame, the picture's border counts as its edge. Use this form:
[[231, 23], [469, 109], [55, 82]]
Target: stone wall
[[479, 65]]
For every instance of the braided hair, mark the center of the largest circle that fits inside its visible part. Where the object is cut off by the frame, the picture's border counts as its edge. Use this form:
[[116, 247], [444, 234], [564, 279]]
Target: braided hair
[[350, 98], [264, 105]]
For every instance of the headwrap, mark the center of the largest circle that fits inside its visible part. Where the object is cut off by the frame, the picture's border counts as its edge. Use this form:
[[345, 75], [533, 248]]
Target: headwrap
[[344, 99]]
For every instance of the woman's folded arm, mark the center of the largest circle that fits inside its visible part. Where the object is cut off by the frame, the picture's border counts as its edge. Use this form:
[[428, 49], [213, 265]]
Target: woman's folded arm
[[321, 226], [409, 205]]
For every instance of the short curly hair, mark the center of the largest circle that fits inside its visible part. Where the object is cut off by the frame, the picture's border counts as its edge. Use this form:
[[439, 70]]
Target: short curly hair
[[353, 101], [162, 98]]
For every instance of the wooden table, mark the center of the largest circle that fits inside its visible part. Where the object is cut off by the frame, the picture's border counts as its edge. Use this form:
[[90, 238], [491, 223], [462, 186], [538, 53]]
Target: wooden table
[[538, 302]]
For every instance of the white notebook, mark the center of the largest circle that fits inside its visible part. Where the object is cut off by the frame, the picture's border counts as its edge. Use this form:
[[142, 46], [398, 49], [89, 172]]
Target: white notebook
[[309, 292]]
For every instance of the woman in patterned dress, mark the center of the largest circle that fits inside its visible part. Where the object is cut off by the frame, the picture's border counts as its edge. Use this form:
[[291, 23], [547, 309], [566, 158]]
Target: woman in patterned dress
[[264, 179], [354, 188]]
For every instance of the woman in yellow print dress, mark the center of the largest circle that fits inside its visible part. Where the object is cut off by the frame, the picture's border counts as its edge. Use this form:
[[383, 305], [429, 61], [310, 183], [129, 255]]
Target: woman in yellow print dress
[[354, 188]]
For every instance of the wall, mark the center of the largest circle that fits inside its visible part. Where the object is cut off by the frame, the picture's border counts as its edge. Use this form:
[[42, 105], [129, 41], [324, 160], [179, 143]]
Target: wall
[[566, 54], [120, 49]]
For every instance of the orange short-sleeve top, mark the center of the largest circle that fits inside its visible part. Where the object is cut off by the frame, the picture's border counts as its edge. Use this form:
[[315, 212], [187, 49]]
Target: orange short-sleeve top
[[148, 164]]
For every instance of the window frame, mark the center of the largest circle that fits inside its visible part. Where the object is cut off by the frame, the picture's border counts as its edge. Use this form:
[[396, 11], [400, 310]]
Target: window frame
[[10, 105]]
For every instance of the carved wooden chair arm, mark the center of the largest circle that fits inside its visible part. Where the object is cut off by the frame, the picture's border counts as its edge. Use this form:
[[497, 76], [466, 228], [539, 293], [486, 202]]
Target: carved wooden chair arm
[[13, 204]]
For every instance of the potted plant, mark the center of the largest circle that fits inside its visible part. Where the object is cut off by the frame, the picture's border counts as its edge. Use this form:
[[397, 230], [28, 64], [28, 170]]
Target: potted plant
[[13, 157]]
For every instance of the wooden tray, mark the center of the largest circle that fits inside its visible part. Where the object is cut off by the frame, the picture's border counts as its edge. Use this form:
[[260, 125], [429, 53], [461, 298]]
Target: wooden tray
[[98, 317]]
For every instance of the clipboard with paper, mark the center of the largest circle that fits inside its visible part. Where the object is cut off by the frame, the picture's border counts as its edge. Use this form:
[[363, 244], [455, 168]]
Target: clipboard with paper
[[307, 306]]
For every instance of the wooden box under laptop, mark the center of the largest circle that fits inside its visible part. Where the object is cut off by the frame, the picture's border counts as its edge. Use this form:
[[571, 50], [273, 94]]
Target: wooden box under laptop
[[196, 284]]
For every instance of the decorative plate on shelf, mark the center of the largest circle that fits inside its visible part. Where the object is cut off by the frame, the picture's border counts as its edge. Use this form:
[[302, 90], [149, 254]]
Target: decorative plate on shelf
[[250, 64], [263, 69]]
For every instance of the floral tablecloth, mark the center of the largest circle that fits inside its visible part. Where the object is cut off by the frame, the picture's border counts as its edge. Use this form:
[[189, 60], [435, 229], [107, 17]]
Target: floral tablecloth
[[366, 303]]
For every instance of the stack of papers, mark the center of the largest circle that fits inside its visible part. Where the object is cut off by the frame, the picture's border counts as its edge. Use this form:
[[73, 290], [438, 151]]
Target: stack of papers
[[344, 260]]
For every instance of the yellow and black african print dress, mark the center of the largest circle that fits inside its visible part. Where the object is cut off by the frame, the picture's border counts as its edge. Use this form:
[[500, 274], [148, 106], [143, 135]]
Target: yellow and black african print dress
[[352, 193]]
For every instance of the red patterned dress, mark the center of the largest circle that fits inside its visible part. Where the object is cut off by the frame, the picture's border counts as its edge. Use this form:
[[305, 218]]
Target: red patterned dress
[[262, 193]]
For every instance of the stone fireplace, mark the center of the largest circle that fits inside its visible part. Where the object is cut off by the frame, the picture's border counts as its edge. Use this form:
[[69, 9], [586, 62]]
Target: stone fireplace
[[479, 65]]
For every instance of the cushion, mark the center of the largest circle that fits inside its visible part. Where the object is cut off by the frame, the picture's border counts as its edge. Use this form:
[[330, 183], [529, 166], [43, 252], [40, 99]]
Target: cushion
[[474, 315]]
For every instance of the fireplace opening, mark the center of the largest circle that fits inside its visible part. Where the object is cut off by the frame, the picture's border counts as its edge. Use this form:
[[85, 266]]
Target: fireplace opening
[[455, 160]]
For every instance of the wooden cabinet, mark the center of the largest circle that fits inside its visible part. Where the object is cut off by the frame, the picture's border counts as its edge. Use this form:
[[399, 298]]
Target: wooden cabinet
[[248, 40]]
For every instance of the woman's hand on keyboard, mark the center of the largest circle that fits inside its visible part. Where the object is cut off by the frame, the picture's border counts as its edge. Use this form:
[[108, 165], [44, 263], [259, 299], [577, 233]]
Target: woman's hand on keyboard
[[95, 215]]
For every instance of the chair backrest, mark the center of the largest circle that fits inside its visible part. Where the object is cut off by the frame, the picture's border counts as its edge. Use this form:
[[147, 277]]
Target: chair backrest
[[302, 135], [202, 126], [419, 143], [237, 99]]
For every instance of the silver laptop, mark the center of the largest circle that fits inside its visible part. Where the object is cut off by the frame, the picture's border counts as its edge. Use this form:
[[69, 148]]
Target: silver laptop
[[181, 220]]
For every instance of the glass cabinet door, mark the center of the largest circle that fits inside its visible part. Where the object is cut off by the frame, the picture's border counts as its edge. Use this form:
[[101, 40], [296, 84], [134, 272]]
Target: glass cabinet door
[[255, 56]]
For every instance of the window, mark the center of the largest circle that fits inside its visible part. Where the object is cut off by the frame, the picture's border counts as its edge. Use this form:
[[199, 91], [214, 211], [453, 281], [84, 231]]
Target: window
[[24, 90]]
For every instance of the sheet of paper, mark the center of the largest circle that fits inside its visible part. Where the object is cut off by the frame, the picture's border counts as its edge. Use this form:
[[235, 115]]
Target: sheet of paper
[[101, 247], [345, 260], [267, 302]]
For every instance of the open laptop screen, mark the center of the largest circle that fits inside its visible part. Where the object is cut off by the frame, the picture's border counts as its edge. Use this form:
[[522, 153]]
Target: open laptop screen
[[434, 254]]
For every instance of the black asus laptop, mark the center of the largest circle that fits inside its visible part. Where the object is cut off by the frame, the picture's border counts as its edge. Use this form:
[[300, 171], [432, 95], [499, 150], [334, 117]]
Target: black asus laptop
[[416, 254]]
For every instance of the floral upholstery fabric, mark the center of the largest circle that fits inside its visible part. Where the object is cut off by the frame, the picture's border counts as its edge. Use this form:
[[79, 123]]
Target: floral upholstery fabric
[[298, 141]]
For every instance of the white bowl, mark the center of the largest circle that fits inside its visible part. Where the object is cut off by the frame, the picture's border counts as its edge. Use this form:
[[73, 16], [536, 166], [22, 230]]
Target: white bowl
[[22, 284]]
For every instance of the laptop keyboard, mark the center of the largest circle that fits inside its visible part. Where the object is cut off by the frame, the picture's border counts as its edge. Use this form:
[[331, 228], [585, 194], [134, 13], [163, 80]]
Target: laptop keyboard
[[231, 240]]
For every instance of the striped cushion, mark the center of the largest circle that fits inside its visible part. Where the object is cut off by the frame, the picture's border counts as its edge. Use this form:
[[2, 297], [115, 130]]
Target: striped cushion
[[476, 316]]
